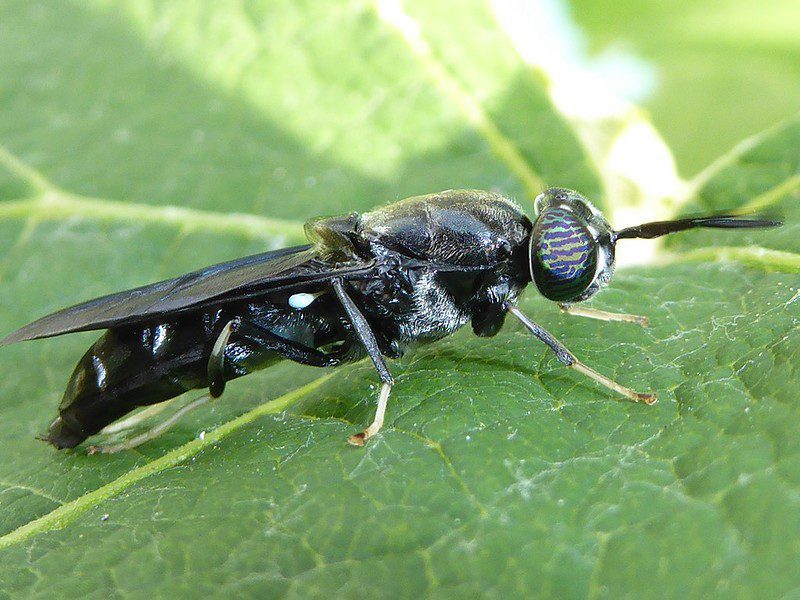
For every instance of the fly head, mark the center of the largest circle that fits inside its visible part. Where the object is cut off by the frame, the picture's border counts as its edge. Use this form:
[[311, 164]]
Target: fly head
[[571, 248]]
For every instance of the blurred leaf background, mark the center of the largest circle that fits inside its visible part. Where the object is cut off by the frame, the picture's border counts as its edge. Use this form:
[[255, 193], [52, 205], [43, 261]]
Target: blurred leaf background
[[142, 139], [719, 70]]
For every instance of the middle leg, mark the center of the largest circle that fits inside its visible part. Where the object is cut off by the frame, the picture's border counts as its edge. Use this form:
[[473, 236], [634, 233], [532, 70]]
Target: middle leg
[[367, 338]]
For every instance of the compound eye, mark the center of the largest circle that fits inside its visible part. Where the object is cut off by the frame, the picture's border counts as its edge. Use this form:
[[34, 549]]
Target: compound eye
[[563, 254]]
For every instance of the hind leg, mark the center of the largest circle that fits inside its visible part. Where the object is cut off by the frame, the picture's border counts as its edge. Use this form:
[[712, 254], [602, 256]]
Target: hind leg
[[150, 434], [264, 339]]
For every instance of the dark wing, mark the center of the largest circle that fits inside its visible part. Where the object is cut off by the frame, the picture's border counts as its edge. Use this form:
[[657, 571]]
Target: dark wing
[[239, 279]]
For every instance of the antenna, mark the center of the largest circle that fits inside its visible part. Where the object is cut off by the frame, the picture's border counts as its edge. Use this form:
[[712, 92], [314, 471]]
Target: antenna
[[659, 228]]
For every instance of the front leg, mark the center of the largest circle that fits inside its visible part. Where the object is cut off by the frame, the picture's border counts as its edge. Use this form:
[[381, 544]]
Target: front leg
[[367, 338], [602, 315], [567, 358]]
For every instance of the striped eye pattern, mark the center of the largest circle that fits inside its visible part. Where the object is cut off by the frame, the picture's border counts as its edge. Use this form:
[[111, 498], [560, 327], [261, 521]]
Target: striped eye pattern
[[563, 254]]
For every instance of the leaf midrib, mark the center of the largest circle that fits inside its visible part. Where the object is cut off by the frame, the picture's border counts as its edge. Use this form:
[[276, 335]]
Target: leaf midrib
[[54, 203], [68, 512]]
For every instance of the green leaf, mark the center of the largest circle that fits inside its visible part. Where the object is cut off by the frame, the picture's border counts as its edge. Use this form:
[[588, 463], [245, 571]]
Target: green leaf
[[499, 472], [282, 108], [761, 175]]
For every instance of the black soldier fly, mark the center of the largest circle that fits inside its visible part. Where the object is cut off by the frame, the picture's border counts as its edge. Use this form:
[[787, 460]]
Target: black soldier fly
[[365, 285]]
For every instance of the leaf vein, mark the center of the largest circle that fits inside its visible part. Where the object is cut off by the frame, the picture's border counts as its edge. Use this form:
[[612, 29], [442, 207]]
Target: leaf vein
[[24, 171], [54, 203], [752, 256], [58, 205], [32, 490], [774, 194], [394, 16]]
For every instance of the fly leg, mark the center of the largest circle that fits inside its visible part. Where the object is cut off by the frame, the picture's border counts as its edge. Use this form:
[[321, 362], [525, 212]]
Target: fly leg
[[216, 362], [367, 338], [602, 315], [136, 418], [567, 358], [150, 434], [265, 339]]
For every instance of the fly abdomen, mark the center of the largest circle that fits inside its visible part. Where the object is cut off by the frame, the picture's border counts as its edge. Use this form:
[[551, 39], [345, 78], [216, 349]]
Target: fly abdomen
[[123, 370], [138, 366]]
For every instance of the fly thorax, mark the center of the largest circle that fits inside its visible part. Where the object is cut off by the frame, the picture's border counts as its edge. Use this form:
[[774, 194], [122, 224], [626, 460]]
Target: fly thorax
[[434, 312]]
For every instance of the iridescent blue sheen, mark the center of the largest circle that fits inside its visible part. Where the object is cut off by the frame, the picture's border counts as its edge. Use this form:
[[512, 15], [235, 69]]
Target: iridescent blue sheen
[[563, 254]]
